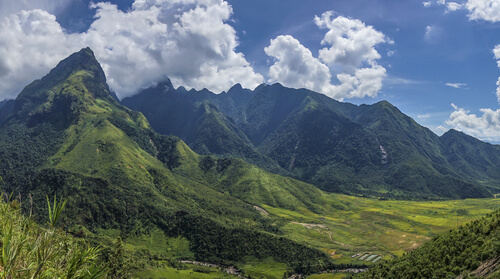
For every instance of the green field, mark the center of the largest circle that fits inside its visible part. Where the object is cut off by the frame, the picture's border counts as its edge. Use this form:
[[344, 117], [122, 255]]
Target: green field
[[347, 226], [355, 225], [189, 273], [268, 269], [326, 276]]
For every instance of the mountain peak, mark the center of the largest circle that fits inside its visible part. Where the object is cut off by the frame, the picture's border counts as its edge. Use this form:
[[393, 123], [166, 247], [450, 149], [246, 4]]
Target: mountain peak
[[81, 60], [236, 87], [166, 83], [68, 89]]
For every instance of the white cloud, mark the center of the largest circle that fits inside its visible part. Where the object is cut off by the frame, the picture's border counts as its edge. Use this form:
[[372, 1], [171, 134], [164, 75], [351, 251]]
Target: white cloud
[[351, 41], [488, 10], [453, 6], [193, 45], [351, 58], [456, 85], [498, 90], [424, 116], [31, 43], [187, 40], [428, 31], [496, 52], [427, 3], [296, 67], [485, 127], [450, 6]]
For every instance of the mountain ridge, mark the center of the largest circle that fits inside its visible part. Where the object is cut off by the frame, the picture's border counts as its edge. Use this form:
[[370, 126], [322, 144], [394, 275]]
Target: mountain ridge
[[366, 149]]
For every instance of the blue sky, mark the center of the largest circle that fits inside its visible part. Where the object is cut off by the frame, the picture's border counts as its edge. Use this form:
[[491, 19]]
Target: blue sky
[[434, 60]]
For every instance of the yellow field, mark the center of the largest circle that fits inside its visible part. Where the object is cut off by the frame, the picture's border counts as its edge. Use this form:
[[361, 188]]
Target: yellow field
[[353, 225]]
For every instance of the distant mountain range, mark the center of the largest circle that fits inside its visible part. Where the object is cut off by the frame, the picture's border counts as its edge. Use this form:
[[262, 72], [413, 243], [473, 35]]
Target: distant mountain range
[[372, 150]]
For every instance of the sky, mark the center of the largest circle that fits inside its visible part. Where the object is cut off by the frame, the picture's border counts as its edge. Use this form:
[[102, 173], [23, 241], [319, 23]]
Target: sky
[[438, 61]]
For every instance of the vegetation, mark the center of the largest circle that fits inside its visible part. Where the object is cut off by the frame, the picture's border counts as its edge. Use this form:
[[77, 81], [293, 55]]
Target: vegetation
[[149, 201], [121, 175], [29, 250], [471, 249], [185, 272], [352, 225], [364, 150]]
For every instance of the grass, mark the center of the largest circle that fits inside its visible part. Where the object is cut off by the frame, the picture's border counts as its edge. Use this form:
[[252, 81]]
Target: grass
[[327, 276], [386, 228], [268, 269], [169, 272], [28, 250], [378, 228]]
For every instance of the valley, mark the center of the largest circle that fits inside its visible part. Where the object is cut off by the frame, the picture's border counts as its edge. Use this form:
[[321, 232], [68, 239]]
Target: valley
[[299, 184], [352, 227]]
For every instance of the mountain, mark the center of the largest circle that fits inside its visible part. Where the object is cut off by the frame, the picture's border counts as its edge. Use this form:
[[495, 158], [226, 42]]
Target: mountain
[[66, 135], [471, 156], [197, 122], [470, 250], [372, 150]]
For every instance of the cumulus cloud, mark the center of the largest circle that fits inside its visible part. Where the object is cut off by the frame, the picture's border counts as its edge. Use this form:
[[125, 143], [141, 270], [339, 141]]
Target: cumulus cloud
[[488, 10], [31, 43], [350, 56], [187, 40], [485, 126], [456, 85], [295, 65], [351, 41]]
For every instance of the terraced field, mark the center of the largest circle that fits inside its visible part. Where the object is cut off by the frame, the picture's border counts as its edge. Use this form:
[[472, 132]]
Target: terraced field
[[354, 225], [353, 230], [191, 272]]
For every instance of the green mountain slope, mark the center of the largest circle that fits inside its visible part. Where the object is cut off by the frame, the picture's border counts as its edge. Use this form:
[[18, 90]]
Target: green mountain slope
[[372, 150], [415, 160], [197, 122], [470, 250], [68, 136], [471, 157]]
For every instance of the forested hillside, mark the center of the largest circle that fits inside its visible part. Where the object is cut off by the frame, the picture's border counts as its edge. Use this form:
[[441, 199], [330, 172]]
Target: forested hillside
[[372, 150]]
